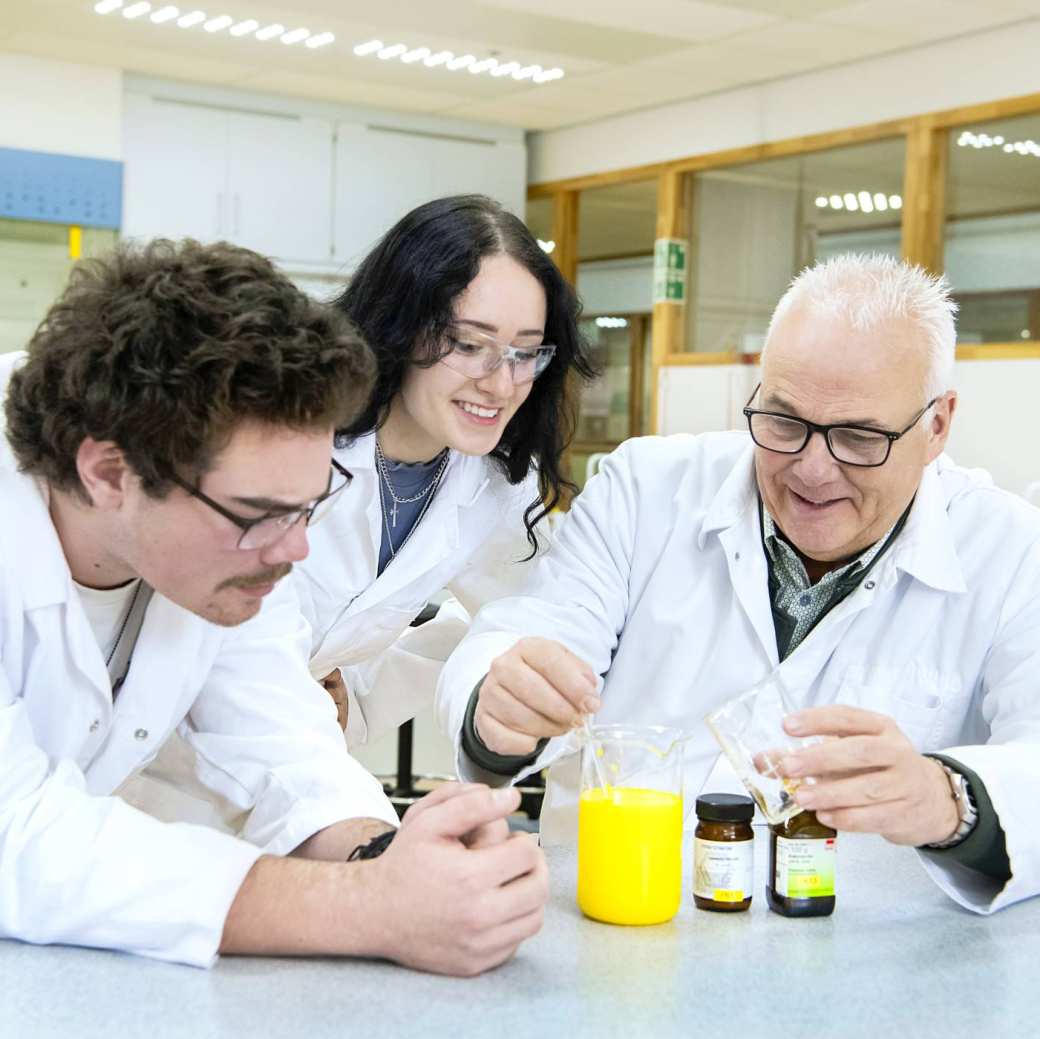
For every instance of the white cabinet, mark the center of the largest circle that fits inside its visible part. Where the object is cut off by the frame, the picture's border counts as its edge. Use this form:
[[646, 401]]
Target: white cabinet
[[382, 173], [313, 187], [175, 170], [255, 179], [280, 185]]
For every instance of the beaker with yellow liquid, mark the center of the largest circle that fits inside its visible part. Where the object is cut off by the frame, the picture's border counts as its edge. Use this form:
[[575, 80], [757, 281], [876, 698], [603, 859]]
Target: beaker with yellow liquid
[[630, 822]]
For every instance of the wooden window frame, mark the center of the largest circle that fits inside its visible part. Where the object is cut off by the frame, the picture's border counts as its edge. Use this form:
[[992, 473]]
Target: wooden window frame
[[923, 213]]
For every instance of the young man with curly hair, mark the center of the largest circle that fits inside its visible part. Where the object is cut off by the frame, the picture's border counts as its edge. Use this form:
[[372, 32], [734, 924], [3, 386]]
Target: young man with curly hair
[[168, 440]]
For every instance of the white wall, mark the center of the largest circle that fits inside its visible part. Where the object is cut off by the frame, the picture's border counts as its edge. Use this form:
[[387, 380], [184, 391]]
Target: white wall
[[994, 427], [55, 106], [981, 67]]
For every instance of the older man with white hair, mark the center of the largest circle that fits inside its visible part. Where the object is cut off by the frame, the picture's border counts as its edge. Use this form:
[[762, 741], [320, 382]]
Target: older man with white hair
[[897, 594]]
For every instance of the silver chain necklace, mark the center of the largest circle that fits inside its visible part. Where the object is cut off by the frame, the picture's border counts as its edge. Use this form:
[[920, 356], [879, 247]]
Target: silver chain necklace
[[381, 461], [430, 489]]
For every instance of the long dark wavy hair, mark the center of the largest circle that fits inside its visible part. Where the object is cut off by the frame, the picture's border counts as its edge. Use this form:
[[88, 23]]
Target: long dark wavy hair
[[402, 299]]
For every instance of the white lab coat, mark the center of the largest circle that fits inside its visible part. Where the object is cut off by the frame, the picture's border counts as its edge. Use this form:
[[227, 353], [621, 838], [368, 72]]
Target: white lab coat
[[80, 866], [658, 579], [472, 542]]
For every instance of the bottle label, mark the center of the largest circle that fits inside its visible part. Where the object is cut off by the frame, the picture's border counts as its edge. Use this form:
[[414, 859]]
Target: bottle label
[[723, 871], [805, 868]]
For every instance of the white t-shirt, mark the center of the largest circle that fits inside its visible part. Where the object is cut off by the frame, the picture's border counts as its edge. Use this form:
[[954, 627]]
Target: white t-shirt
[[106, 609]]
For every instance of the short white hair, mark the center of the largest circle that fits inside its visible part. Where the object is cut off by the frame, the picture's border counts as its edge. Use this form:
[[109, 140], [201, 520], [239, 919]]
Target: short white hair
[[870, 289]]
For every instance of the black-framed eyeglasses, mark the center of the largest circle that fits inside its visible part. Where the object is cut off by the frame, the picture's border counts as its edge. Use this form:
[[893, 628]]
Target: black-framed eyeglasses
[[863, 446], [264, 531]]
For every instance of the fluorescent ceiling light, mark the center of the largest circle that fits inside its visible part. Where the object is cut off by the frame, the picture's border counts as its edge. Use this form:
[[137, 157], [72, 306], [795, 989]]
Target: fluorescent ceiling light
[[895, 202], [546, 246], [880, 202], [821, 202], [240, 28], [446, 59]]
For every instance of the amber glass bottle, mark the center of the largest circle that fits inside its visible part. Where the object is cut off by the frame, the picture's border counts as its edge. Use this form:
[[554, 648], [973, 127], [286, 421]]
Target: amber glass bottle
[[802, 855], [723, 851]]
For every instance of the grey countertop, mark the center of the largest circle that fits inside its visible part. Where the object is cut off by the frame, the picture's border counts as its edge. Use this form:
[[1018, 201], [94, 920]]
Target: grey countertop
[[897, 958]]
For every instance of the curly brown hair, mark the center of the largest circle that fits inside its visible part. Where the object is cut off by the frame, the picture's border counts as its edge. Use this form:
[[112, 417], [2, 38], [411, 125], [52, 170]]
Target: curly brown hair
[[164, 348]]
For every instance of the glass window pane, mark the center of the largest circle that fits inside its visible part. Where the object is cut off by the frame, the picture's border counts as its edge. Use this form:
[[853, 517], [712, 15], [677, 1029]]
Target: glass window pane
[[992, 243], [539, 218], [756, 225], [617, 225]]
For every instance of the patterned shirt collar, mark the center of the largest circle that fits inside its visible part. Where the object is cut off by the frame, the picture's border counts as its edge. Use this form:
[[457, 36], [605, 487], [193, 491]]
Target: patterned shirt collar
[[789, 568]]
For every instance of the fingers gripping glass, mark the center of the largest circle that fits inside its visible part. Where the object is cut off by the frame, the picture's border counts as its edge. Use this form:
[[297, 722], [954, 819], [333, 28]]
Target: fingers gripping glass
[[477, 356], [265, 530], [864, 446]]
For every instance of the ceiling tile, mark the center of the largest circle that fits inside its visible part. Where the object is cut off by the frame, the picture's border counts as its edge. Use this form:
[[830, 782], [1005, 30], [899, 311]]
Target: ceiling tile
[[620, 55], [677, 19], [917, 20]]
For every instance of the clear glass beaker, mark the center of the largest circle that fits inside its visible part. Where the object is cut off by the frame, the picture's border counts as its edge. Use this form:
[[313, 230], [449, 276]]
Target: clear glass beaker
[[630, 821], [750, 731]]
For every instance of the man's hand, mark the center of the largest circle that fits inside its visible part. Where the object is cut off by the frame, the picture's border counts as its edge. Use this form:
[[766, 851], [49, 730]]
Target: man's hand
[[337, 689], [535, 690], [455, 893], [870, 779]]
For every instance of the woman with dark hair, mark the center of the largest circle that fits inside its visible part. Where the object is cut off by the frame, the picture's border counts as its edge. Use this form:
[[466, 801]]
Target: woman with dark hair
[[456, 460]]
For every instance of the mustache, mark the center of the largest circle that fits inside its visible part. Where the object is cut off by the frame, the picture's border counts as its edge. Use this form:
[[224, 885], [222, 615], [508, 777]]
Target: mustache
[[270, 576]]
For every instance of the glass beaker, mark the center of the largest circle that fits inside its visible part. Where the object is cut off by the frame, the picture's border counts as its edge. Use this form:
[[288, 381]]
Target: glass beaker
[[630, 821], [750, 731]]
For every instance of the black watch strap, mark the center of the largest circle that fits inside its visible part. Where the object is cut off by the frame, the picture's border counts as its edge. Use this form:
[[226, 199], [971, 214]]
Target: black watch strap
[[373, 849]]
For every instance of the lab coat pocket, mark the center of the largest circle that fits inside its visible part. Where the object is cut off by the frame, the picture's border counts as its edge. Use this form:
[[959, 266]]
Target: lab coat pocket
[[915, 696]]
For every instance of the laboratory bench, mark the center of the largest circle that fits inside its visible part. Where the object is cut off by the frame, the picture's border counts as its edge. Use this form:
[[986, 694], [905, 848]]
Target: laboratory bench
[[897, 958]]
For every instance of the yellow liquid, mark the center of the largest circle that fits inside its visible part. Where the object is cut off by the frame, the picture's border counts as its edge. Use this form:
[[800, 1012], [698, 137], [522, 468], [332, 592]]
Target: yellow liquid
[[629, 855]]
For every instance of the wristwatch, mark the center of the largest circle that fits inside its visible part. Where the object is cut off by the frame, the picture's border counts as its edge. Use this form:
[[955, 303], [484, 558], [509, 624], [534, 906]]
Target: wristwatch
[[960, 790]]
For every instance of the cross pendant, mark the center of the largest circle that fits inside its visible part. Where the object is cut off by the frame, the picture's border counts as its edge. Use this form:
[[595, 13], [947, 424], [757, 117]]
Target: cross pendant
[[393, 516]]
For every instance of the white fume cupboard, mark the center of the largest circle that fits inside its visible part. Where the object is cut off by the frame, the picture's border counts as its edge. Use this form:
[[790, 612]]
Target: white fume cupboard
[[311, 184]]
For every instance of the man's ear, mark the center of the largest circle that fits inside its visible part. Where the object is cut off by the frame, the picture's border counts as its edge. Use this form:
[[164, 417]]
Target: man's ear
[[939, 424], [103, 471]]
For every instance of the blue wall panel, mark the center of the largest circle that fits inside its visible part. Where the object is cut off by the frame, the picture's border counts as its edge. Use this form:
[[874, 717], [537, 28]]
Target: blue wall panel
[[60, 189]]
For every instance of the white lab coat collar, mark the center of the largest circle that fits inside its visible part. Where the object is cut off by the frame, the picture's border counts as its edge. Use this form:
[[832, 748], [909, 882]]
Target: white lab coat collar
[[465, 479], [737, 494], [36, 558], [925, 548]]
